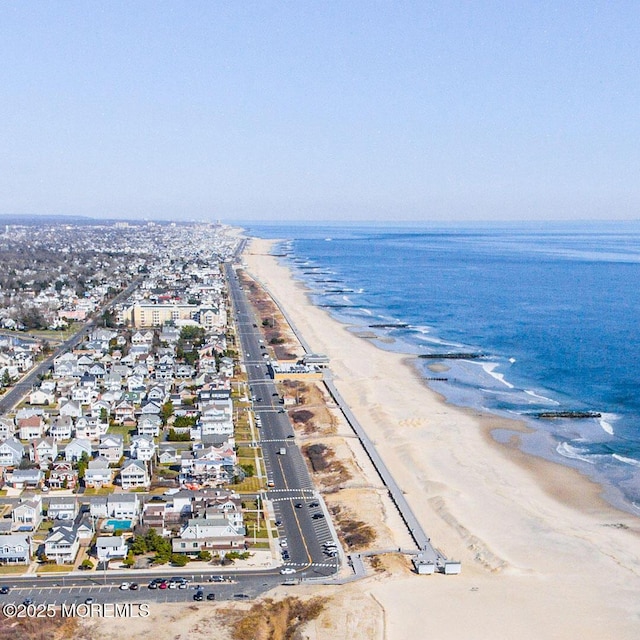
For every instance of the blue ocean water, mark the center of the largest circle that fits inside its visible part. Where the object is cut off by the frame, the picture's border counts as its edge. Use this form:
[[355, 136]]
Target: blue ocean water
[[553, 312]]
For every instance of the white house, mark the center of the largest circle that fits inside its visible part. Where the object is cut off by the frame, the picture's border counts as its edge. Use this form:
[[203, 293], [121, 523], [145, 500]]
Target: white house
[[142, 448], [110, 548], [62, 544], [11, 452], [134, 474], [74, 450]]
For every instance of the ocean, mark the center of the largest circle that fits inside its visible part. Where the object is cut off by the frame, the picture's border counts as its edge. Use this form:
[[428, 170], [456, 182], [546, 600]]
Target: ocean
[[547, 317]]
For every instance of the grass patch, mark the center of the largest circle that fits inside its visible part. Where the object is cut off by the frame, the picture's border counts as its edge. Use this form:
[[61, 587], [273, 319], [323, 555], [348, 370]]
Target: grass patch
[[104, 491], [54, 568], [6, 569], [277, 620], [249, 485]]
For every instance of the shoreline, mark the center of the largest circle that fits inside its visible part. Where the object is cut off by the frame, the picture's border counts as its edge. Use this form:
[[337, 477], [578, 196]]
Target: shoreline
[[506, 514]]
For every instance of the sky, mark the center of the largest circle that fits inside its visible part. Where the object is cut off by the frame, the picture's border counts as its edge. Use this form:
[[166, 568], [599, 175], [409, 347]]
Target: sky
[[314, 111]]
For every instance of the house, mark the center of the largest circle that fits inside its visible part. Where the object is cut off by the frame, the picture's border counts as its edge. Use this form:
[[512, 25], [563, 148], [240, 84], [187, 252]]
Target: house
[[62, 544], [71, 408], [149, 425], [157, 394], [134, 474], [84, 395], [76, 448], [142, 448], [62, 508], [142, 338], [90, 428], [151, 408], [11, 452], [41, 397], [154, 516], [15, 549], [61, 428], [110, 548], [31, 428], [24, 478], [43, 451], [98, 474], [111, 447], [210, 533], [62, 475], [121, 506], [7, 428], [100, 409], [168, 455], [27, 514], [123, 411]]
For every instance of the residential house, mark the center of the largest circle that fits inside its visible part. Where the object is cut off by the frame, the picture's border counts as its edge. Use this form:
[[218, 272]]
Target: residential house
[[98, 474], [154, 515], [76, 448], [62, 544], [142, 448], [62, 508], [134, 474], [27, 514], [90, 428], [31, 428], [149, 425], [71, 408], [43, 451], [24, 478], [41, 397], [111, 548], [210, 533], [123, 411], [11, 452], [15, 549], [62, 475], [168, 455], [157, 394], [61, 428], [121, 506], [7, 428], [111, 447]]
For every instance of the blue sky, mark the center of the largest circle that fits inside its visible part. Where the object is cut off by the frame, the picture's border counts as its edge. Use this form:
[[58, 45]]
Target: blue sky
[[321, 110]]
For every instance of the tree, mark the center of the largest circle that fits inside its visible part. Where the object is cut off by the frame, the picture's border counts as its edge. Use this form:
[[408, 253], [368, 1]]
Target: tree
[[204, 555], [86, 564], [166, 412], [129, 561], [179, 559]]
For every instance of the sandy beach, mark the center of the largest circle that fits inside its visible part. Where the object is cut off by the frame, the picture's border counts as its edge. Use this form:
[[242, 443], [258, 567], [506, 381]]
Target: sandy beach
[[543, 555]]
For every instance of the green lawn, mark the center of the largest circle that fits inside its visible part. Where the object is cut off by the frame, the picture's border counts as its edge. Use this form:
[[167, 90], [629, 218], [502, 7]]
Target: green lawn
[[54, 568], [12, 569]]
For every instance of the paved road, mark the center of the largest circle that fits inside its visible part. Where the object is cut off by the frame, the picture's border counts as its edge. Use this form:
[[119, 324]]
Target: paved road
[[288, 471]]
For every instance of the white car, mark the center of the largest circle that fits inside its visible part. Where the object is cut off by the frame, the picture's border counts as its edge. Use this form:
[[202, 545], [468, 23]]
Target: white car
[[285, 571], [125, 586]]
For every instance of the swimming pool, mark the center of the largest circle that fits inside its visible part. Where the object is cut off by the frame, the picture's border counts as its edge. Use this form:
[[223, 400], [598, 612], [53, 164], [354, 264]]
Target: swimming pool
[[117, 524]]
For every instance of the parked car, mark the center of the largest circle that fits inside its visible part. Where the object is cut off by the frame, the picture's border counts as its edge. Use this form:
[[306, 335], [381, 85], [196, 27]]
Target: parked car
[[125, 586], [211, 596], [285, 571], [198, 596], [4, 589]]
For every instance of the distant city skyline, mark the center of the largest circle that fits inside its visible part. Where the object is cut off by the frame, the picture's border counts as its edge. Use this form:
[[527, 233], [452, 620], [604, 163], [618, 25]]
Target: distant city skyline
[[332, 111]]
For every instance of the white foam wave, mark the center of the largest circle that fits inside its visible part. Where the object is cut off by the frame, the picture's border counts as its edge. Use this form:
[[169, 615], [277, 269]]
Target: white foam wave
[[606, 420], [490, 368], [539, 397], [632, 461], [567, 451]]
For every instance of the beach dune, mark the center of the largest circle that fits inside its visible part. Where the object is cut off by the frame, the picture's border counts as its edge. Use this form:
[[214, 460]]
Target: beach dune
[[544, 556]]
